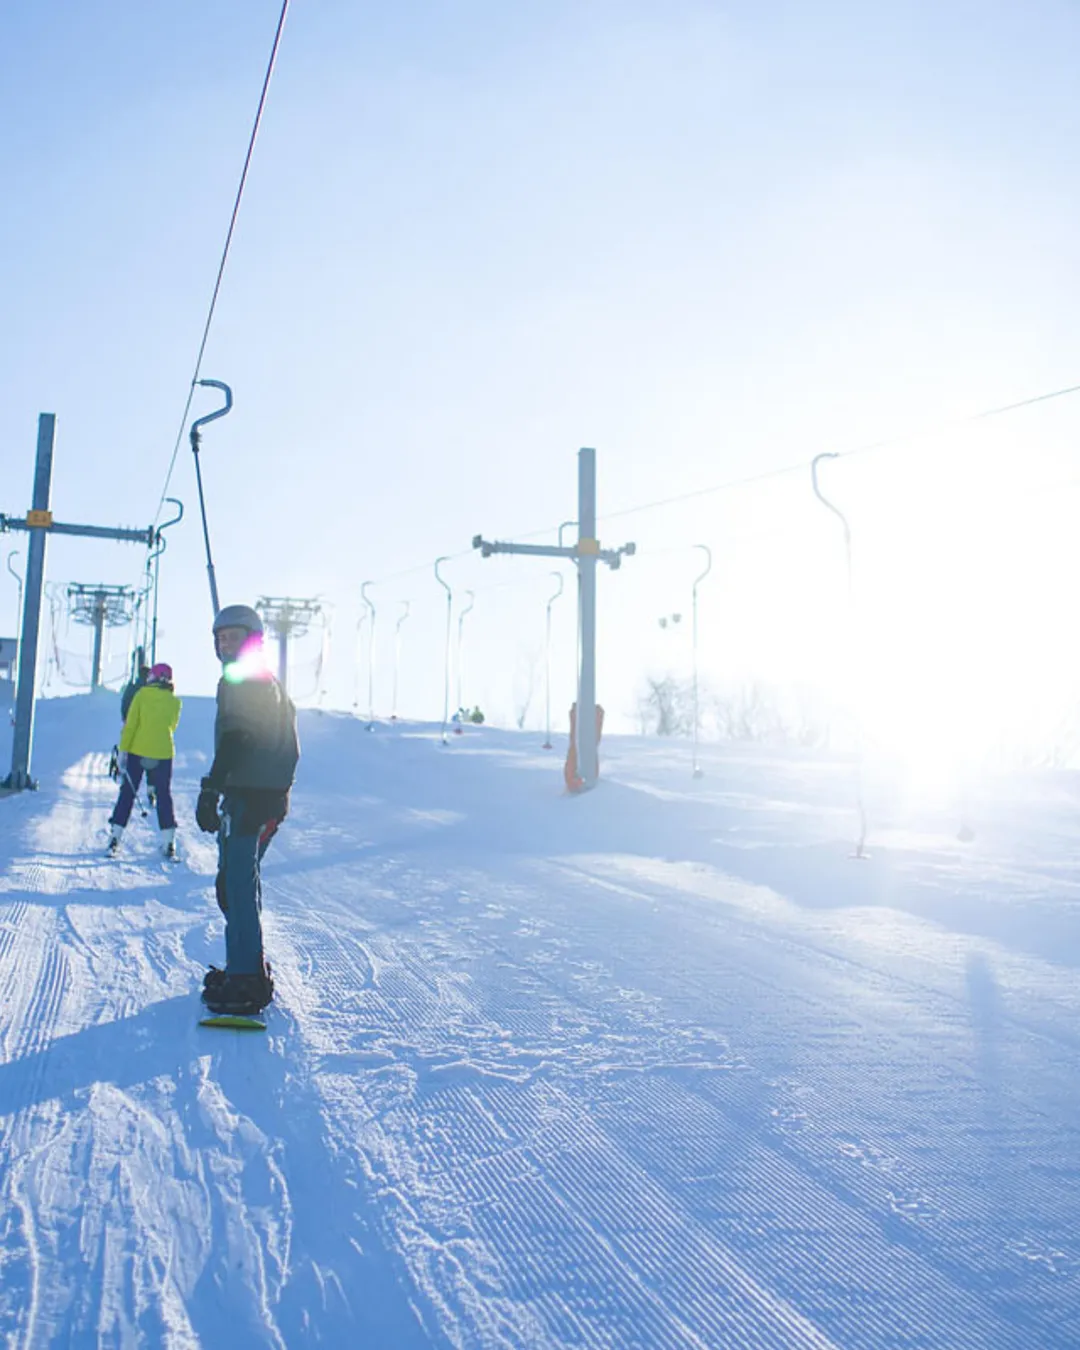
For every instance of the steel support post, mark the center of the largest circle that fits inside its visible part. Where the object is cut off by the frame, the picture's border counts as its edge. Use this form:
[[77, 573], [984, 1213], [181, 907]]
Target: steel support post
[[588, 764], [99, 631], [23, 738], [283, 656]]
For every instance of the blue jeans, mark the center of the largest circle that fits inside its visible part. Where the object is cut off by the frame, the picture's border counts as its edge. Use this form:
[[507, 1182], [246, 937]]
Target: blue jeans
[[160, 779], [242, 843]]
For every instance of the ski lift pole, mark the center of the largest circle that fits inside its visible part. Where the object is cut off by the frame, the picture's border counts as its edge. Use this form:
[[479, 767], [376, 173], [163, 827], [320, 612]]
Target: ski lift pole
[[324, 652], [547, 659], [153, 574], [566, 525], [697, 769], [195, 440], [155, 558], [449, 617], [19, 582], [356, 675], [371, 655], [397, 656], [460, 624], [142, 618], [831, 454]]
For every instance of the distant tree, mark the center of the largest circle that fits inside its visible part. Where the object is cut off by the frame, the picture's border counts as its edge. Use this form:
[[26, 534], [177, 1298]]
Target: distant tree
[[753, 711], [749, 712], [666, 707], [526, 680]]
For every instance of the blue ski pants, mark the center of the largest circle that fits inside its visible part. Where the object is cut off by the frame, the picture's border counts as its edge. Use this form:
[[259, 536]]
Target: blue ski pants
[[159, 776], [242, 844]]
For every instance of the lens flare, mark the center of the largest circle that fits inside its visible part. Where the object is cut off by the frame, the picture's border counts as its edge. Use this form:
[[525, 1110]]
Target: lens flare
[[250, 664]]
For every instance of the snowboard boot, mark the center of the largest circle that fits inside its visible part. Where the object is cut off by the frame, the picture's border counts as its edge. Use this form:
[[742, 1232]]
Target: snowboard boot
[[168, 843], [212, 982], [238, 995]]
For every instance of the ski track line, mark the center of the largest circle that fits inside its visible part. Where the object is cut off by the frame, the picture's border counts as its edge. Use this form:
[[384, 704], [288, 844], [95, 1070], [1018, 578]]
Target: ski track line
[[128, 1149], [12, 916], [291, 940], [651, 1162], [409, 992], [65, 845], [478, 1097], [817, 1249], [609, 1228], [580, 1243], [671, 888], [875, 1175], [936, 1011], [121, 1190], [129, 1144], [933, 1012], [458, 1295], [34, 1000], [945, 951], [427, 984]]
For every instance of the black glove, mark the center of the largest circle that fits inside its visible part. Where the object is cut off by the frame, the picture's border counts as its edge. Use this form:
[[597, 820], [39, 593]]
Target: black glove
[[206, 809]]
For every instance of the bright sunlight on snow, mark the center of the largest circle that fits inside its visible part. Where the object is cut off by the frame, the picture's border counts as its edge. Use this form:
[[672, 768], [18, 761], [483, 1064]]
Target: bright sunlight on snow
[[662, 1066], [641, 440]]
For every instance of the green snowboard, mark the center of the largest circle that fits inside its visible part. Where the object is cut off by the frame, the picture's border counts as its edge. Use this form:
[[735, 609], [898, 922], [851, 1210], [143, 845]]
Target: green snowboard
[[233, 1021]]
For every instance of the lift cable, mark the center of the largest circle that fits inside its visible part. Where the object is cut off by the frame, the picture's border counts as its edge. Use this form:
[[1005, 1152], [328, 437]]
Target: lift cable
[[888, 443], [224, 253]]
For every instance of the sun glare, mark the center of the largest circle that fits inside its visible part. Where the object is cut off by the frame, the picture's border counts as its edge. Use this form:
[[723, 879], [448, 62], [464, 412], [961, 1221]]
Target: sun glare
[[966, 653]]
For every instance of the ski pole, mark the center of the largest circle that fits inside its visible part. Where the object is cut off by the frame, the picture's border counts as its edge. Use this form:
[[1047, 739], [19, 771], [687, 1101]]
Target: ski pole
[[134, 792]]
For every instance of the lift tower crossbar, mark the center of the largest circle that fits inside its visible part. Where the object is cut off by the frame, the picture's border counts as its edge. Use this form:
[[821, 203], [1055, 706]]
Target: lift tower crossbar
[[39, 524]]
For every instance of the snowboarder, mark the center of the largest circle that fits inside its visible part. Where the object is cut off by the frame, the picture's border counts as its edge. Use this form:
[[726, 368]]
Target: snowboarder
[[243, 800], [147, 746]]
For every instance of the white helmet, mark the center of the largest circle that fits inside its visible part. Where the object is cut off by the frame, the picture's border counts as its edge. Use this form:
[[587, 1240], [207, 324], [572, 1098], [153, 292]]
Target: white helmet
[[237, 616]]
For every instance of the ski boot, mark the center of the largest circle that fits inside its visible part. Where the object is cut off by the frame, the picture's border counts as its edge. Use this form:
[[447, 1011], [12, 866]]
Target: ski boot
[[116, 833]]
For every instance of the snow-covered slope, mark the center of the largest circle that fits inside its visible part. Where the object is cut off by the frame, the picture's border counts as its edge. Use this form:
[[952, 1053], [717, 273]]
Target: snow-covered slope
[[661, 1066]]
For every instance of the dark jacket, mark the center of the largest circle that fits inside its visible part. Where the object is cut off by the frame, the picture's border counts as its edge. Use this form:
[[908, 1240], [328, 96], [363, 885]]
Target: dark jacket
[[255, 740], [127, 695]]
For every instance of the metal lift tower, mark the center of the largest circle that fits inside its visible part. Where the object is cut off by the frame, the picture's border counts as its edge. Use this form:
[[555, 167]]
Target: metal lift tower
[[39, 524], [286, 618], [586, 553], [100, 607]]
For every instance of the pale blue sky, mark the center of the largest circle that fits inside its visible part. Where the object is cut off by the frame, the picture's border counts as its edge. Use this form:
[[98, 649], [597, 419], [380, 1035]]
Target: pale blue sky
[[708, 239]]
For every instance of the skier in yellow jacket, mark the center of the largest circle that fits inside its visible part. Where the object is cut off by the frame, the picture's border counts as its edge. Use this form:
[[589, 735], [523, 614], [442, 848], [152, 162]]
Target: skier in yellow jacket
[[146, 746]]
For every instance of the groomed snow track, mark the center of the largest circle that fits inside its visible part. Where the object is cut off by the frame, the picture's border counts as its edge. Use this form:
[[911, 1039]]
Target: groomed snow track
[[659, 1067]]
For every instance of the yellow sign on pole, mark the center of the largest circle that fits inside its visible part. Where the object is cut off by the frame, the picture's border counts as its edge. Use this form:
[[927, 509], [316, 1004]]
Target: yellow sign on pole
[[588, 546], [41, 520]]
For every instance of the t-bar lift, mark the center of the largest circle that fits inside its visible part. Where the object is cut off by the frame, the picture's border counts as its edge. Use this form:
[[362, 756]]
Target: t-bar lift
[[586, 553], [39, 524]]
